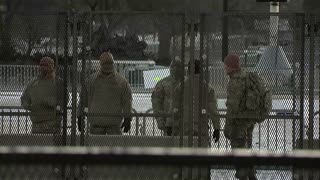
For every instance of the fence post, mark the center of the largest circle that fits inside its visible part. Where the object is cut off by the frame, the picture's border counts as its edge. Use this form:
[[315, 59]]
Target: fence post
[[74, 81], [82, 80], [311, 81], [183, 49], [65, 81], [200, 95], [302, 84], [225, 29]]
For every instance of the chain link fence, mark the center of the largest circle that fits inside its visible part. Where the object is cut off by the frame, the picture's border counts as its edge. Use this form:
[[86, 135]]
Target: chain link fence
[[143, 45]]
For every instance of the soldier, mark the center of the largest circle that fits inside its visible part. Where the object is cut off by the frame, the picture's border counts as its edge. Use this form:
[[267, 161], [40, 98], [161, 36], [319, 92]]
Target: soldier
[[203, 99], [42, 97], [107, 92], [237, 130], [162, 95], [208, 102]]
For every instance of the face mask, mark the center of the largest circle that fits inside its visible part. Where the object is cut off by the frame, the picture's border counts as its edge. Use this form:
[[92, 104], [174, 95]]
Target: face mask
[[46, 69]]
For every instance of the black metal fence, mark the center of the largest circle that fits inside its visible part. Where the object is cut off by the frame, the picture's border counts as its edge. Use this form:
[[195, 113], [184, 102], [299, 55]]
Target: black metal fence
[[281, 47]]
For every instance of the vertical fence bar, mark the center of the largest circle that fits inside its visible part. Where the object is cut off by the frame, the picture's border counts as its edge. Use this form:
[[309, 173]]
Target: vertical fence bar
[[225, 30], [302, 85], [294, 90], [18, 121], [137, 126], [10, 121], [201, 115], [82, 79], [284, 134], [318, 97], [277, 128], [153, 126], [74, 80], [89, 68], [259, 130], [268, 134], [181, 109], [1, 78], [26, 123], [6, 78], [57, 41], [311, 82], [2, 119], [191, 76], [203, 19], [65, 80]]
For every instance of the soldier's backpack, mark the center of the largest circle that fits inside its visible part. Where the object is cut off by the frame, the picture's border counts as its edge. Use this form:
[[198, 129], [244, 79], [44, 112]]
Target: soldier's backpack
[[257, 98]]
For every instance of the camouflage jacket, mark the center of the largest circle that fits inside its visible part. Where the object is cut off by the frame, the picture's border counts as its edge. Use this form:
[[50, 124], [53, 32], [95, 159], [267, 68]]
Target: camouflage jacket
[[162, 100], [235, 90], [208, 103]]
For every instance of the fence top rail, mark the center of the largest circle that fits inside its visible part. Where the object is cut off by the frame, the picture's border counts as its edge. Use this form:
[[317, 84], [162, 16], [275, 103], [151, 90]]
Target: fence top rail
[[37, 13], [172, 13], [156, 156], [94, 61], [148, 61], [18, 65], [74, 12], [150, 110], [243, 13], [134, 13]]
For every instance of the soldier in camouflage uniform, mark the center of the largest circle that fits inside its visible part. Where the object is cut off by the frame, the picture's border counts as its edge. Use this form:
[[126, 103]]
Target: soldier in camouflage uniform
[[162, 95], [237, 130], [107, 92], [209, 103], [42, 96], [203, 99]]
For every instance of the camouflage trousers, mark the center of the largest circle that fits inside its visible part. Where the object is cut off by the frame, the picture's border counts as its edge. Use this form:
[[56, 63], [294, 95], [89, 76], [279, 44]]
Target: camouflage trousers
[[239, 132]]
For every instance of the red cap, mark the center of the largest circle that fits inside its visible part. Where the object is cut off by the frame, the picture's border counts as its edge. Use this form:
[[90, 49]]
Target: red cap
[[232, 61]]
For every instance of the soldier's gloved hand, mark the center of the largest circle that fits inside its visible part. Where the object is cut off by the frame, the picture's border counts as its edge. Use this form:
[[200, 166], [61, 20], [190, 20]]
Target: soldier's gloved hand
[[169, 131], [216, 135], [126, 125]]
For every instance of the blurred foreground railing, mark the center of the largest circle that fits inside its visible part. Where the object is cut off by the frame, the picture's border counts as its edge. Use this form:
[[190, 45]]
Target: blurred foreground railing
[[156, 156], [152, 163]]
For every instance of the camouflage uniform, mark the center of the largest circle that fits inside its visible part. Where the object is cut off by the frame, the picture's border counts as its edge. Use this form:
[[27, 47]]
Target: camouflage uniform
[[107, 92], [162, 96], [211, 109], [41, 97], [200, 124], [238, 130], [162, 100]]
